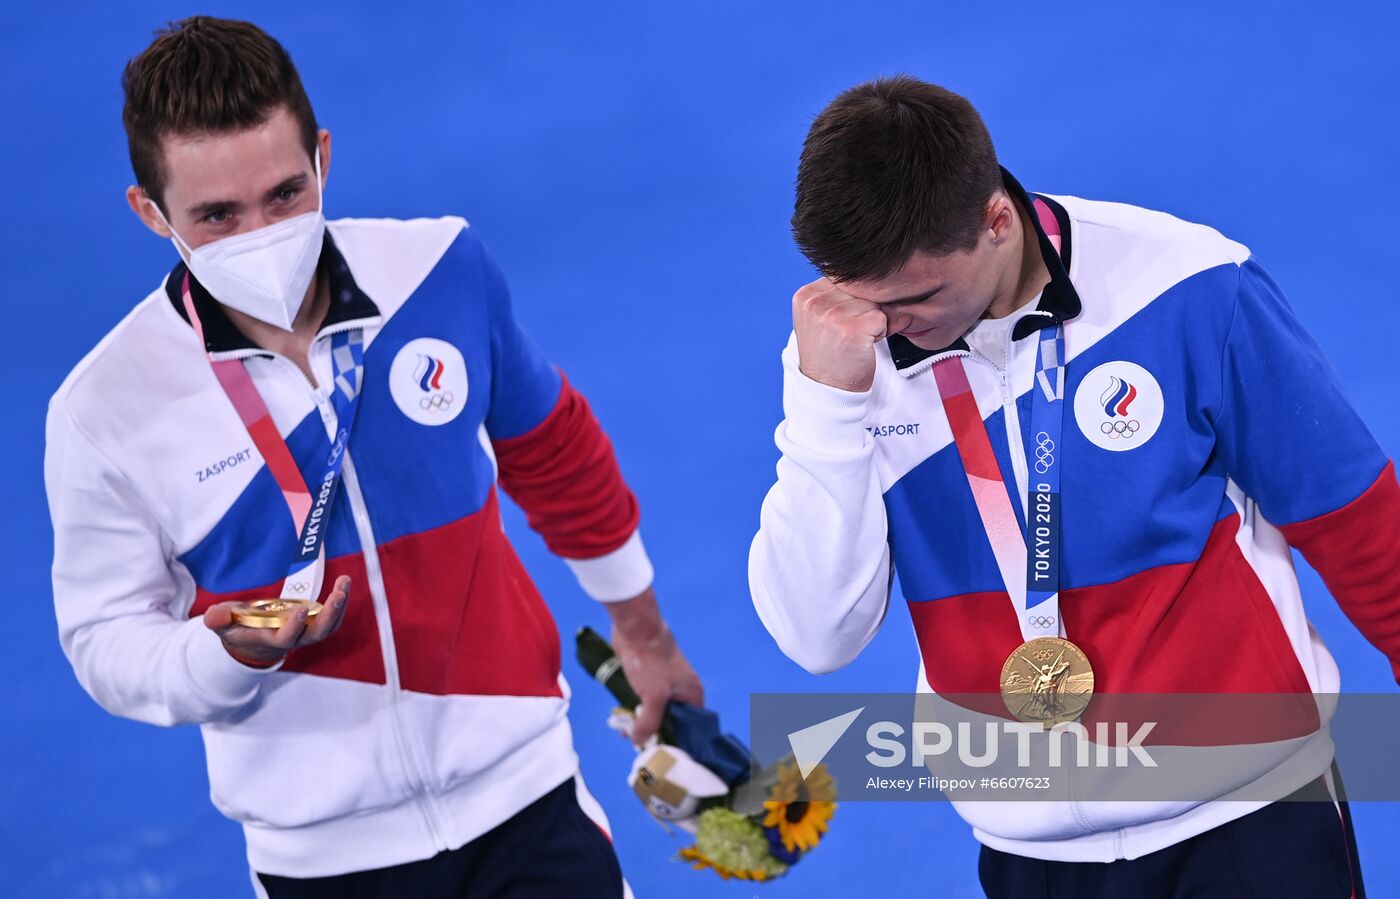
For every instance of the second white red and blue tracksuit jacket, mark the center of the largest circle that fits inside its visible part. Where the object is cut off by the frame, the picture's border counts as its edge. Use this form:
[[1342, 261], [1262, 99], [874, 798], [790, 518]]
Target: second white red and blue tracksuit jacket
[[437, 711], [1204, 435]]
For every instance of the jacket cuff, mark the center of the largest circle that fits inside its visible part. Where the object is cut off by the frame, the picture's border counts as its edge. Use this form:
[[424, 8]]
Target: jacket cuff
[[216, 674], [823, 418], [618, 575]]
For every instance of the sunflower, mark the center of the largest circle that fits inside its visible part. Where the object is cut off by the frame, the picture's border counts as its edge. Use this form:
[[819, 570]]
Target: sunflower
[[733, 846], [691, 854], [800, 809]]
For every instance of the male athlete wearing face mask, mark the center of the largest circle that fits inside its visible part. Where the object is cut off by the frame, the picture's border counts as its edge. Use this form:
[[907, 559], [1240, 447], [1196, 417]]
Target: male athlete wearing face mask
[[305, 410]]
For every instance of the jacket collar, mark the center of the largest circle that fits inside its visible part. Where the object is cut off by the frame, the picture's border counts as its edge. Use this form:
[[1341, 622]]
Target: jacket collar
[[1058, 302], [349, 304]]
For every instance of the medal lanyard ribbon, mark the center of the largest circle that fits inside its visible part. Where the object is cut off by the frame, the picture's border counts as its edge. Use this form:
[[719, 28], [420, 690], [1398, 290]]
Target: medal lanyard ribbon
[[310, 514], [1029, 560]]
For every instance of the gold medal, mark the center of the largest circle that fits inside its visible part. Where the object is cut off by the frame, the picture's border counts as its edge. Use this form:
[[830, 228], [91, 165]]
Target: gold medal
[[1047, 680], [272, 613]]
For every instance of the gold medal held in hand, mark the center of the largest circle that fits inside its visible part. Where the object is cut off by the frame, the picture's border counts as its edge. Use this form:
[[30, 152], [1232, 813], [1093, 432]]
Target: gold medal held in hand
[[272, 613], [1047, 680]]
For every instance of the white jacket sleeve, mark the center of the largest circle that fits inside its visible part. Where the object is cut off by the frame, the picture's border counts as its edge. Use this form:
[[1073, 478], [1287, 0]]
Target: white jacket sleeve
[[819, 569], [115, 596]]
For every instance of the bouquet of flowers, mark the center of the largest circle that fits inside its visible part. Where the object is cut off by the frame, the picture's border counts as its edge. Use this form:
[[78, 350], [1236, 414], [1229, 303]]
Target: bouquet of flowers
[[751, 824]]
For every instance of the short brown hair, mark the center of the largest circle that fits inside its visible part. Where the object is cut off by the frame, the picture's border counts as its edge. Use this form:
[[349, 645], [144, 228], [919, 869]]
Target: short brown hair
[[890, 167], [203, 75]]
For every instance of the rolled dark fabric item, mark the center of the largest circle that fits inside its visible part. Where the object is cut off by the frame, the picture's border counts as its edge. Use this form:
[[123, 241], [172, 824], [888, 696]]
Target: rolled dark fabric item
[[603, 665], [693, 728], [697, 732]]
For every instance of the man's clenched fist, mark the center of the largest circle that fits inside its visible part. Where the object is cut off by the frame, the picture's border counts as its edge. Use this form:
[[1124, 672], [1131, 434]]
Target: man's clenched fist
[[836, 335]]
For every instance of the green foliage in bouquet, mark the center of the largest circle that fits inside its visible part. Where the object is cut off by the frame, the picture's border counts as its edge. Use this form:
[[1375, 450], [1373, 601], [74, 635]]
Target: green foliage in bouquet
[[733, 846]]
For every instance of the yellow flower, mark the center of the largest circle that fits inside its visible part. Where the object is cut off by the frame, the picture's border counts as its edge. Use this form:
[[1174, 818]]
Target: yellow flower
[[801, 809], [691, 854]]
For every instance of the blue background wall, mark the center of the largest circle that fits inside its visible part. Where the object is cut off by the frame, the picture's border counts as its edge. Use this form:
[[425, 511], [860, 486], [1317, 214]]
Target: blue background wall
[[631, 166]]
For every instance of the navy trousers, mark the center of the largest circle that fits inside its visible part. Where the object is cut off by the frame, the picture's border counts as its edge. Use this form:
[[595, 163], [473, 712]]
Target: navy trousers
[[549, 849], [1302, 849]]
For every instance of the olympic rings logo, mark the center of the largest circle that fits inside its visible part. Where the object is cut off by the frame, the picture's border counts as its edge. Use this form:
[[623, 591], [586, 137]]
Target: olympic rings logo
[[1040, 622], [1120, 428], [1044, 453], [298, 586], [437, 402]]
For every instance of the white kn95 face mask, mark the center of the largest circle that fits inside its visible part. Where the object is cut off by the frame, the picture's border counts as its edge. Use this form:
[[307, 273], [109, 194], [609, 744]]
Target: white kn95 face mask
[[263, 273]]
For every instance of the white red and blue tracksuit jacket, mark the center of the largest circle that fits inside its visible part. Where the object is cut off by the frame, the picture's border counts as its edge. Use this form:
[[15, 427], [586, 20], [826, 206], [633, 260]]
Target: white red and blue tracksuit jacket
[[1204, 435], [437, 711]]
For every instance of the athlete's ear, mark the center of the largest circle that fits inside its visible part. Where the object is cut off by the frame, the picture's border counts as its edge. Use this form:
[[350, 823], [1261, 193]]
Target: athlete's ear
[[323, 148], [1000, 218], [146, 211]]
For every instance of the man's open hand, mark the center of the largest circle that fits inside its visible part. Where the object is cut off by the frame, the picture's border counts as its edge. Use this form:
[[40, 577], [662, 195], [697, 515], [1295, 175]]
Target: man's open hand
[[263, 646]]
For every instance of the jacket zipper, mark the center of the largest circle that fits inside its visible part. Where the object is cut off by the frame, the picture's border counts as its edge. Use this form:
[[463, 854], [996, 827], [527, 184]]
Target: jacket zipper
[[1011, 419], [379, 597]]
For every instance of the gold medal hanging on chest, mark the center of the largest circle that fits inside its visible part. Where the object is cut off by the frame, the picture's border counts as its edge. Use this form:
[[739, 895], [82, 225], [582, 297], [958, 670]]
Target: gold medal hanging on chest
[[1047, 680]]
